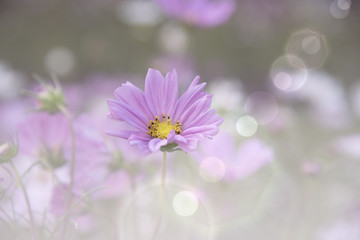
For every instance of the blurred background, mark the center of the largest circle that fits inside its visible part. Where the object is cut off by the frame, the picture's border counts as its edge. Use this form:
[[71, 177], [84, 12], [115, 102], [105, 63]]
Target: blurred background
[[284, 72]]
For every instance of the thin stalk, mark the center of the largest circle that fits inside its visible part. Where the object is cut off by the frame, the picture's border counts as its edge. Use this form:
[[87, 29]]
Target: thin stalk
[[135, 220], [28, 205], [76, 203], [163, 178], [66, 113], [162, 194]]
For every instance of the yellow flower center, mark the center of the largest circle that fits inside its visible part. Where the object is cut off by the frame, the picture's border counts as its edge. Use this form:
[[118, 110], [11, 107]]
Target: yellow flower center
[[162, 129]]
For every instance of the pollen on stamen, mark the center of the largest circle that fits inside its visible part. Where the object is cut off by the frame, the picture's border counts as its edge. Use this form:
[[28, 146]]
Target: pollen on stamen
[[162, 129]]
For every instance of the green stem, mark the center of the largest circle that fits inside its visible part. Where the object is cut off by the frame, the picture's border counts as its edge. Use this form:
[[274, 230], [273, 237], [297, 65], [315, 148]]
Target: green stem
[[162, 194], [135, 219], [163, 177], [23, 189], [72, 162]]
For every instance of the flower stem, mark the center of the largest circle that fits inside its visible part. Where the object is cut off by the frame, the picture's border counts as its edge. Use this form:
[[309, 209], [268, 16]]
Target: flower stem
[[162, 194], [66, 113], [163, 177], [23, 189]]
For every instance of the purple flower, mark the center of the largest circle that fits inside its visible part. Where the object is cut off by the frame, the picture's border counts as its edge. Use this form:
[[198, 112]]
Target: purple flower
[[157, 117], [201, 13]]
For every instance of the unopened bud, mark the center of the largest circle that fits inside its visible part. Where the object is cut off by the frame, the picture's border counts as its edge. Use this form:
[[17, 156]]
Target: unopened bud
[[8, 151], [49, 98]]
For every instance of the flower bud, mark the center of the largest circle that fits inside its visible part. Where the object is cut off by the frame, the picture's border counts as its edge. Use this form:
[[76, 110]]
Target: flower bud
[[50, 98], [8, 151]]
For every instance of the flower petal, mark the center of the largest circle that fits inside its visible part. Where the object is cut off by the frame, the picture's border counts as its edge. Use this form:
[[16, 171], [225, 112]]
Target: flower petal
[[156, 143], [124, 112], [191, 142], [206, 118], [172, 137], [141, 140], [121, 133], [161, 94], [193, 93], [171, 92], [194, 110], [153, 85], [206, 130], [134, 97]]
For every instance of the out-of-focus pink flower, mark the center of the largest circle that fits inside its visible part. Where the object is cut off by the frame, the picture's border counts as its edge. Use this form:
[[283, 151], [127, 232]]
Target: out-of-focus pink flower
[[117, 183], [157, 117], [45, 137], [342, 229], [12, 112], [58, 202], [101, 165], [38, 183], [327, 105], [92, 156], [220, 159], [201, 13], [311, 168], [348, 145]]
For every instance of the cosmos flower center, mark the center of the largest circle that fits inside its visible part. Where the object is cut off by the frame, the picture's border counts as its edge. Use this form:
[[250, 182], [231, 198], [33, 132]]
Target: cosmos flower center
[[162, 129]]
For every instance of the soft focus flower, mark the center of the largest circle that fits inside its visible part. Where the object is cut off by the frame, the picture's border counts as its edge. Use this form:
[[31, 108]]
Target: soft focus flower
[[340, 230], [38, 183], [157, 117], [348, 145], [327, 104], [220, 159], [58, 201], [44, 150], [46, 138], [202, 13], [92, 156], [12, 112], [311, 167]]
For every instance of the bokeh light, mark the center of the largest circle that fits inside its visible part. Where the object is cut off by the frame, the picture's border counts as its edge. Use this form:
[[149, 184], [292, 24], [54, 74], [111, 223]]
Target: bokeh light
[[173, 39], [60, 60], [185, 203], [288, 73], [340, 8], [212, 169], [139, 12], [246, 126], [10, 82], [227, 94], [309, 46]]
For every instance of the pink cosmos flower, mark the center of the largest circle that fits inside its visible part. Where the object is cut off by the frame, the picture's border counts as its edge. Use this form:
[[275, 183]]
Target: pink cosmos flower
[[202, 13], [221, 159], [157, 117], [347, 145], [45, 137]]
